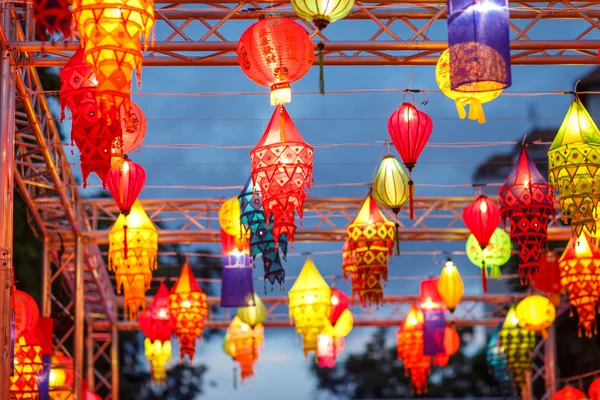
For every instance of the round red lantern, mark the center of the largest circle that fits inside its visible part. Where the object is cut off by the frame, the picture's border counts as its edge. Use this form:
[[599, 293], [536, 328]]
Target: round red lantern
[[594, 389], [339, 303], [451, 346], [276, 52], [569, 393], [133, 125], [27, 313], [125, 183]]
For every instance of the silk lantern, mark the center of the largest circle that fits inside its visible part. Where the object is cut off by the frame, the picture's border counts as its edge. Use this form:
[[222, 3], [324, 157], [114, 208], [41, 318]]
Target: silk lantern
[[322, 13], [536, 313], [569, 393], [237, 286], [410, 350], [496, 360], [450, 286], [27, 366], [159, 355], [52, 16], [125, 183], [27, 313], [229, 217], [409, 129], [548, 278], [276, 52], [310, 305], [482, 218], [282, 164], [77, 82], [580, 275], [339, 304], [133, 128], [61, 377], [254, 314], [451, 346], [574, 161], [496, 253], [518, 344], [594, 389]]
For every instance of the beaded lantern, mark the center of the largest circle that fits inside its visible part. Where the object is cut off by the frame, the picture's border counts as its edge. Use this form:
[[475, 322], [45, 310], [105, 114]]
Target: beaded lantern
[[132, 255], [450, 286], [536, 313], [276, 52], [371, 240], [61, 377], [310, 305], [580, 275], [187, 303], [320, 12], [526, 201], [27, 367], [410, 350], [594, 389], [237, 288], [569, 393], [548, 278], [451, 346], [518, 344], [574, 168], [409, 129], [125, 182], [246, 341], [27, 313], [282, 164], [253, 315], [52, 16], [496, 360], [495, 255]]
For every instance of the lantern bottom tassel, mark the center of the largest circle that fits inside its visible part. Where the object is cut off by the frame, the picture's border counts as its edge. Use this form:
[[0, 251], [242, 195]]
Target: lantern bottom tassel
[[235, 385], [483, 277], [125, 251], [411, 204], [397, 238], [321, 46]]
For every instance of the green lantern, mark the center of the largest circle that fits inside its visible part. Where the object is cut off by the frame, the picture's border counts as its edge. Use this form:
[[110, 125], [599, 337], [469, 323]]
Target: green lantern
[[496, 254], [253, 315]]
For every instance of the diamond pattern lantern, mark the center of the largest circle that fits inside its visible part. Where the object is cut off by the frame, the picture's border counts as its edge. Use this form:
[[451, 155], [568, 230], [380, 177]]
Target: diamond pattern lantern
[[27, 367], [526, 200], [518, 344], [282, 164], [410, 350], [52, 16], [574, 161], [77, 82], [348, 262]]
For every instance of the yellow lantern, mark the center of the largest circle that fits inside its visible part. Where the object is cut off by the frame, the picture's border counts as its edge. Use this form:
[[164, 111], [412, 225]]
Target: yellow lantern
[[518, 344], [159, 355], [450, 286], [536, 313], [61, 377], [27, 367], [132, 254], [229, 219], [342, 327], [310, 305], [322, 12], [473, 99]]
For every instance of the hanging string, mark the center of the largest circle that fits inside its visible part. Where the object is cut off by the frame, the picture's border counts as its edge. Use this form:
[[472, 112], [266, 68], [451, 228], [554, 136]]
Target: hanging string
[[321, 47], [281, 125]]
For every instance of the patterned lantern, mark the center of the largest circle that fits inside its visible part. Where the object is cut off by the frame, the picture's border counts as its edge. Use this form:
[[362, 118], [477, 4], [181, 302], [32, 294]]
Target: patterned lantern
[[409, 130], [548, 278], [237, 285], [526, 200], [496, 360], [282, 164], [133, 127], [410, 350], [518, 344], [496, 253], [159, 355], [594, 389], [52, 16], [125, 183], [253, 315], [276, 52], [246, 342], [328, 349], [569, 393], [580, 275], [451, 346], [450, 286], [310, 305], [322, 13], [62, 376], [27, 367], [132, 255], [77, 82], [348, 262], [462, 99], [188, 306], [536, 313], [574, 161], [27, 313], [482, 218]]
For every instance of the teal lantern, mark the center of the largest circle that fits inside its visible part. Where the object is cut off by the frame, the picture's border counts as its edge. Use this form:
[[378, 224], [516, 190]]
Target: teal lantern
[[496, 254]]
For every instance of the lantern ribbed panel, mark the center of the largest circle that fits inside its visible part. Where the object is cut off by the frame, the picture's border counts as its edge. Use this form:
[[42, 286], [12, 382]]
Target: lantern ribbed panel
[[496, 253], [27, 367], [390, 186], [52, 16], [409, 129], [496, 361], [410, 350], [322, 13], [518, 345], [125, 183], [27, 313], [482, 218]]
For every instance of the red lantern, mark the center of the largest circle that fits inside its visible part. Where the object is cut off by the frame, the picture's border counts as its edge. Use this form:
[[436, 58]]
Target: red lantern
[[156, 322], [133, 125], [594, 389], [276, 52], [53, 16], [410, 349], [526, 200], [409, 130], [339, 303], [27, 313], [482, 218], [569, 393], [125, 183], [282, 164], [451, 346], [430, 296], [77, 82], [548, 278]]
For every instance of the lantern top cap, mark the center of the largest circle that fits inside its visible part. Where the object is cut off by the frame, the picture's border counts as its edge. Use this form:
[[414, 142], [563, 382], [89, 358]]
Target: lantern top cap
[[578, 127], [523, 173], [273, 134], [186, 282], [413, 320], [161, 298], [137, 219], [309, 279], [369, 213]]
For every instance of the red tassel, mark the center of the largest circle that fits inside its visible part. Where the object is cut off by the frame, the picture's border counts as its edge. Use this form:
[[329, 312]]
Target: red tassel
[[483, 278], [410, 199], [125, 242]]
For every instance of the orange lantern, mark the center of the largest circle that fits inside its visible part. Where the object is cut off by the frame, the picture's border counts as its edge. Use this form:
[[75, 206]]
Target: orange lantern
[[594, 389], [348, 262], [569, 393], [246, 341], [410, 350], [27, 367], [62, 375], [451, 346], [27, 313]]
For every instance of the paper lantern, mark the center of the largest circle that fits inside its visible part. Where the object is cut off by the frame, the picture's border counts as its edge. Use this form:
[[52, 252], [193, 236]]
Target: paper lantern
[[322, 13], [125, 183], [159, 355], [574, 168], [27, 313], [310, 305], [496, 360], [410, 350], [253, 315], [282, 164], [409, 129], [536, 313], [429, 296], [229, 217], [133, 128], [61, 377], [451, 346], [569, 393], [276, 52], [77, 82], [594, 389], [496, 254], [339, 304], [328, 350], [27, 367], [482, 218], [348, 262], [132, 255], [580, 275], [462, 99], [245, 340], [237, 285], [450, 286], [548, 278], [518, 344], [189, 308], [52, 16], [156, 322]]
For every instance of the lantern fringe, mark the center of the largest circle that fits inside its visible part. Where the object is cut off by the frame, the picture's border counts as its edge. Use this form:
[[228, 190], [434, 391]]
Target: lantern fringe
[[321, 46], [475, 109]]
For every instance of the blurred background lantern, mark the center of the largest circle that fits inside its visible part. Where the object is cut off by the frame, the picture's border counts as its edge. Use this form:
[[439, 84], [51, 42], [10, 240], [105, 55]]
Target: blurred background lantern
[[518, 344], [339, 325], [496, 361], [339, 304], [410, 350], [310, 305], [322, 13], [450, 286], [536, 313], [132, 255], [27, 313], [159, 355], [526, 200], [133, 128], [27, 366], [254, 314], [237, 284], [276, 52], [495, 255], [451, 346], [125, 183], [574, 168], [229, 218], [462, 99], [409, 129], [594, 389], [548, 278], [348, 262], [62, 377], [328, 349], [52, 16], [434, 319], [246, 341], [569, 393]]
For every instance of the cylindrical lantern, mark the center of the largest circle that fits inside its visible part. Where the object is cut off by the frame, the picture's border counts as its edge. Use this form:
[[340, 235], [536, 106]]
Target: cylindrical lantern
[[536, 313], [496, 253], [429, 295], [518, 344], [237, 284], [125, 183], [27, 313], [450, 286]]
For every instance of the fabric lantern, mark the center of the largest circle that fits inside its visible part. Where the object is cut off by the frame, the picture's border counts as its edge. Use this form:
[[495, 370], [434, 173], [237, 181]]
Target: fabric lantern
[[409, 129], [594, 389], [133, 128], [61, 377], [429, 296], [434, 320], [27, 366], [536, 313], [348, 262], [237, 289], [462, 99], [246, 341], [159, 355], [569, 393], [450, 286], [125, 183], [322, 13], [548, 278], [574, 168], [391, 189], [518, 344], [310, 305], [328, 349], [52, 16], [580, 274], [410, 350], [276, 52], [253, 315], [132, 255], [496, 253], [282, 164], [187, 303], [339, 304], [27, 313], [496, 360], [451, 346], [482, 218], [77, 82]]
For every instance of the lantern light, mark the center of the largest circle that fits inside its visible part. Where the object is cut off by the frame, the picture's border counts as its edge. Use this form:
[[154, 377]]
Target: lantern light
[[496, 253], [536, 313], [429, 296], [518, 344], [322, 13], [569, 393], [125, 183], [27, 313], [450, 286]]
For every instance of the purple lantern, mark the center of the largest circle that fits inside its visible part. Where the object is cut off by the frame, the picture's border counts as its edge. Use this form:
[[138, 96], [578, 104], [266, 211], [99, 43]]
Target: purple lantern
[[237, 288]]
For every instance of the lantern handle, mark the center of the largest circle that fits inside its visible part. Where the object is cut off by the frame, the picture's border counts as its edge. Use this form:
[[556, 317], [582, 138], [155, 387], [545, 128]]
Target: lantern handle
[[413, 101]]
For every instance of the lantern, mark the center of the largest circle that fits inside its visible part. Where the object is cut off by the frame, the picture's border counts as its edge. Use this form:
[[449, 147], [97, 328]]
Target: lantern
[[27, 367], [229, 217], [282, 164], [434, 319], [77, 82], [410, 350], [125, 183], [339, 304], [157, 322], [276, 52], [409, 130], [429, 296], [61, 377], [132, 255], [548, 278], [450, 286], [328, 349], [159, 355], [574, 161], [52, 16], [594, 389], [27, 313], [451, 346], [370, 239], [322, 13], [133, 128], [569, 393], [536, 313], [496, 360], [348, 262], [580, 275], [496, 253], [518, 344], [482, 218], [462, 99], [310, 305], [237, 288], [245, 340], [253, 315], [188, 306]]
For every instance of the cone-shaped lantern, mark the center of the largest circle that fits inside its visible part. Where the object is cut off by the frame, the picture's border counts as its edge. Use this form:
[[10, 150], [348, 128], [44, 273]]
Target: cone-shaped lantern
[[253, 315], [27, 367], [518, 344], [246, 341], [495, 255], [450, 286], [410, 350], [125, 183], [77, 82]]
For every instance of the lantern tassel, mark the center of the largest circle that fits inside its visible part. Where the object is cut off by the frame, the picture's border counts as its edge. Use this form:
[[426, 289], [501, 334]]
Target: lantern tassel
[[235, 384], [411, 204], [460, 107], [483, 277], [281, 128], [476, 110], [397, 238], [125, 251], [321, 46]]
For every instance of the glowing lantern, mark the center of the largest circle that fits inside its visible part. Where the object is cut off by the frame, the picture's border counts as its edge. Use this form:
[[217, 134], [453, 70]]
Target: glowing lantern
[[450, 286], [27, 313], [594, 389], [159, 355], [429, 295], [245, 340], [322, 13], [482, 218], [125, 183], [548, 278], [27, 367], [518, 344], [410, 350], [237, 289], [77, 82], [310, 305], [253, 315], [133, 127], [276, 52], [132, 255], [62, 375], [282, 164], [229, 217], [574, 161], [569, 393], [580, 275], [348, 262], [536, 313], [52, 16], [339, 304], [410, 130], [328, 349], [434, 318], [526, 200], [496, 253], [188, 306], [496, 360], [451, 346], [371, 240], [473, 99]]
